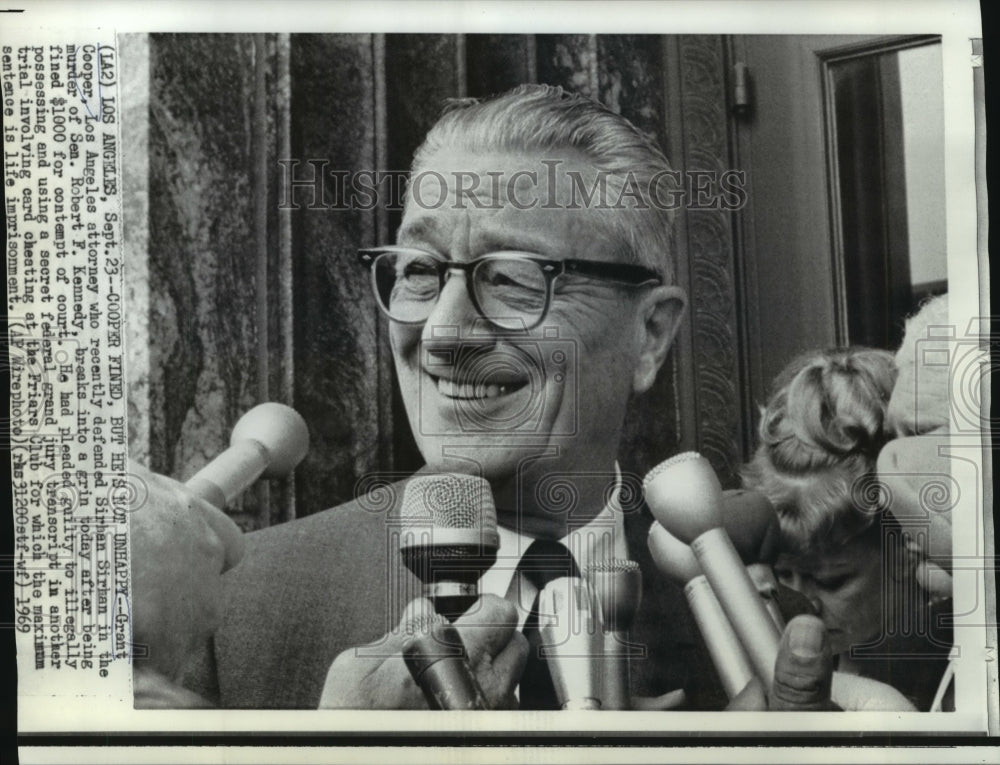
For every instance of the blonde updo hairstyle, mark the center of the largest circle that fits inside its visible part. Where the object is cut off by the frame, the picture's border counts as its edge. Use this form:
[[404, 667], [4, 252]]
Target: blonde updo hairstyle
[[820, 435]]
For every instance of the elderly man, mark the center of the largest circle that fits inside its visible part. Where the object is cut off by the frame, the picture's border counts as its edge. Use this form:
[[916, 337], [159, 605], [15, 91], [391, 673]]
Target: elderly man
[[530, 294]]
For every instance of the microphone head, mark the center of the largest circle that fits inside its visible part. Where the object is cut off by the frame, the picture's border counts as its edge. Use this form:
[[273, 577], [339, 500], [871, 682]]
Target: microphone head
[[572, 640], [684, 495], [674, 558], [617, 585], [280, 430], [752, 524], [449, 532], [456, 509]]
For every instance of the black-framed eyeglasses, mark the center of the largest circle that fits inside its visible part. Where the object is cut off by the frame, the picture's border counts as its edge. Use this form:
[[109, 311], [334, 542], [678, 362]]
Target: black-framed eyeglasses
[[513, 290]]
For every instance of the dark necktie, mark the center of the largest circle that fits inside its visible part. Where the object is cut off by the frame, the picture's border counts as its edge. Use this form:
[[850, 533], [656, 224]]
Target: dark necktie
[[543, 562]]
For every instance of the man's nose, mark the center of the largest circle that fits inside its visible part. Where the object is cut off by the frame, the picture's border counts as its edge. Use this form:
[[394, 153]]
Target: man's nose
[[454, 316]]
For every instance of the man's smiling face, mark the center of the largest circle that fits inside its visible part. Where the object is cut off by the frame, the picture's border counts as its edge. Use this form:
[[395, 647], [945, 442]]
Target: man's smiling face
[[479, 395]]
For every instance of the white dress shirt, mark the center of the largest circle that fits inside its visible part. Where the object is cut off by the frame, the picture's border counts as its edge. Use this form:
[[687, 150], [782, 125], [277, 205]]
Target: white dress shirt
[[602, 538]]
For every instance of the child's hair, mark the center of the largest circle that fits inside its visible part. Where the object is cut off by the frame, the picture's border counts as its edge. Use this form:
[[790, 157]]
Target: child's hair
[[820, 435]]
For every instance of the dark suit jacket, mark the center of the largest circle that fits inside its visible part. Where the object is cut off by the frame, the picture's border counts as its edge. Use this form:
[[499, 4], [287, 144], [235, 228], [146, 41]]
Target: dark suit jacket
[[312, 588]]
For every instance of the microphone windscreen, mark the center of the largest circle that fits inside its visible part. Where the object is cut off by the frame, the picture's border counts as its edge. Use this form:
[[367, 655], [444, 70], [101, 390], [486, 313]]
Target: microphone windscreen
[[457, 509], [617, 584], [268, 441], [752, 524], [684, 495], [280, 430]]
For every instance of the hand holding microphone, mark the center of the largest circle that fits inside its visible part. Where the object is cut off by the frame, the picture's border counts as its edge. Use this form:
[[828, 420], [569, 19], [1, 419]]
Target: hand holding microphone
[[439, 663], [794, 668], [804, 680], [180, 547], [182, 543], [377, 677]]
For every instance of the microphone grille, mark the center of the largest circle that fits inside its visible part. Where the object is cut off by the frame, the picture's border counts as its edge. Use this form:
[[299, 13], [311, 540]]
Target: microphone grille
[[451, 501], [676, 459], [613, 566]]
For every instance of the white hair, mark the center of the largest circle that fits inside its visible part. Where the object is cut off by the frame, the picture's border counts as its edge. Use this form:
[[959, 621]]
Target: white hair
[[547, 118]]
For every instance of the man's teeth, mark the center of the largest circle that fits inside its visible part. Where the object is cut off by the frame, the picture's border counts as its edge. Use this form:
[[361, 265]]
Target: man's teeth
[[468, 390]]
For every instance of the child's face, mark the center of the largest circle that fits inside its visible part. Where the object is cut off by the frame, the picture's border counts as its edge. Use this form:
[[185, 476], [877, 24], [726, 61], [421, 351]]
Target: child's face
[[844, 586]]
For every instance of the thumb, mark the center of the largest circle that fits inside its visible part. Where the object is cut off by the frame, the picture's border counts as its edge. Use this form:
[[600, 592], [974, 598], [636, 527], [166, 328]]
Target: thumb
[[804, 668]]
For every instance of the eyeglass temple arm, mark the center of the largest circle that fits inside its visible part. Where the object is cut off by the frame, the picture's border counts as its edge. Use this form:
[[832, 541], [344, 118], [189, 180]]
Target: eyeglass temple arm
[[619, 272]]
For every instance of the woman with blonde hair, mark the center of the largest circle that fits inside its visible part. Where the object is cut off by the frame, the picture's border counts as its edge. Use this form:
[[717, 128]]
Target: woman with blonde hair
[[821, 433]]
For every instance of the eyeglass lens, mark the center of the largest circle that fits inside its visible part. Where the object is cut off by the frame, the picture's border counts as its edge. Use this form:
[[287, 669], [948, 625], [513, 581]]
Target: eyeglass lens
[[509, 292]]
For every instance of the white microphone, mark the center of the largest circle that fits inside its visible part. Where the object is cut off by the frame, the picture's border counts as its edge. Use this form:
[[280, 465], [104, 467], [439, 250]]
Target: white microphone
[[685, 496], [569, 624], [676, 561], [267, 442], [617, 585]]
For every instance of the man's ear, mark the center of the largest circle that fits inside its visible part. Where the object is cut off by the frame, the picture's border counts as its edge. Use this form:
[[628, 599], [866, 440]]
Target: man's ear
[[660, 312]]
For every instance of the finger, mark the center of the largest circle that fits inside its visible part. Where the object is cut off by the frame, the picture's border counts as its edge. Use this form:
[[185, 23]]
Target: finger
[[418, 609], [230, 535], [750, 699], [487, 630], [804, 668], [511, 659], [663, 702], [498, 676]]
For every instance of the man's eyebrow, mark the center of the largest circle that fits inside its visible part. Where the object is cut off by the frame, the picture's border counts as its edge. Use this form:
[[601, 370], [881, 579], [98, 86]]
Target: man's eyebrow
[[490, 241], [428, 230]]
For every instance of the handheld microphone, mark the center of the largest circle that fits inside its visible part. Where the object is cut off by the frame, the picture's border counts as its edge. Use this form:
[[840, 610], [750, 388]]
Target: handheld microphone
[[268, 441], [569, 623], [617, 585], [449, 537], [676, 561], [752, 524], [438, 663], [684, 495]]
